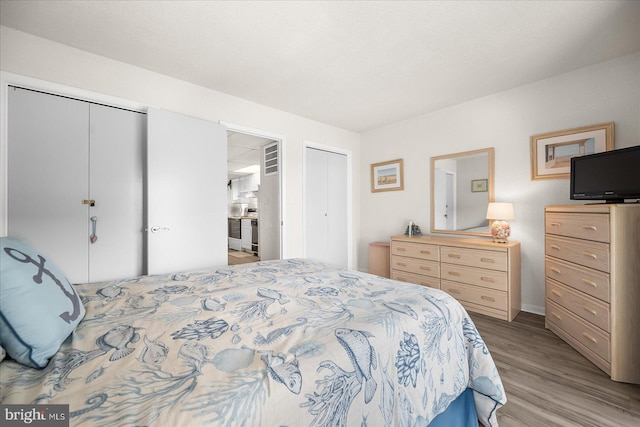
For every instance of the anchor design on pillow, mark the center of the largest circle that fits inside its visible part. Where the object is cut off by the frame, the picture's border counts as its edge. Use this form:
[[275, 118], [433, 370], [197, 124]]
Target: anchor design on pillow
[[37, 278]]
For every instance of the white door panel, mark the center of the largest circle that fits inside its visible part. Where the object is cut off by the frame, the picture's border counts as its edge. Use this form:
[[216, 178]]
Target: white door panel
[[337, 251], [48, 152], [186, 193], [116, 184], [326, 221], [315, 204]]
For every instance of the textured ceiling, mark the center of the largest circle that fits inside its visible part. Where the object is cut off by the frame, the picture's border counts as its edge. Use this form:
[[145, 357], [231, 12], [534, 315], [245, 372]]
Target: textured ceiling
[[355, 65]]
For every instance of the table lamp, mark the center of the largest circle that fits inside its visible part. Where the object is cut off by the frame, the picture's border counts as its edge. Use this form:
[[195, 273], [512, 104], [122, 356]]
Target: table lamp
[[499, 212]]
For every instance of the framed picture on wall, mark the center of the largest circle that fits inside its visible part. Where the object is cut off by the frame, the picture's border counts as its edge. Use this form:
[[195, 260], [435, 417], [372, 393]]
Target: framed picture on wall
[[387, 176], [479, 185], [551, 153]]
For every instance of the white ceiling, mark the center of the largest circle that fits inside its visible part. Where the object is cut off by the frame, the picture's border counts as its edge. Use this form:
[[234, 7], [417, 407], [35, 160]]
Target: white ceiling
[[357, 65]]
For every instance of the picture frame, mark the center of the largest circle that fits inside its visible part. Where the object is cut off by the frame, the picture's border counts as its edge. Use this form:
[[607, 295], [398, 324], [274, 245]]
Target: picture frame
[[387, 176], [551, 152], [479, 185]]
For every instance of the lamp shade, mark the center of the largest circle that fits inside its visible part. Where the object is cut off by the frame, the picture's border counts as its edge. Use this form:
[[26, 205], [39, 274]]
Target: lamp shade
[[500, 211]]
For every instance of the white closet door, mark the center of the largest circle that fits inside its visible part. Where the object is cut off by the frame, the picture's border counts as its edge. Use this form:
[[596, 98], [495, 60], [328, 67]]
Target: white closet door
[[316, 243], [337, 226], [326, 227], [48, 152], [186, 193], [116, 184]]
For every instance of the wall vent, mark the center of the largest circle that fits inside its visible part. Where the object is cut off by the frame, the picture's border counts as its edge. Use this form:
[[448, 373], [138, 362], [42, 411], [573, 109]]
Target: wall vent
[[271, 159]]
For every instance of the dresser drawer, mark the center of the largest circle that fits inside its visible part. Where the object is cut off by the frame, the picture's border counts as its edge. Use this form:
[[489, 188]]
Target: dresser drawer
[[583, 226], [587, 253], [418, 279], [589, 281], [415, 250], [475, 294], [414, 265], [585, 333], [494, 260], [589, 308], [476, 276]]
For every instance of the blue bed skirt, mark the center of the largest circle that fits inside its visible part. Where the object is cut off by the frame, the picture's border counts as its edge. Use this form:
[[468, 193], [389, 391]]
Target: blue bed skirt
[[461, 412]]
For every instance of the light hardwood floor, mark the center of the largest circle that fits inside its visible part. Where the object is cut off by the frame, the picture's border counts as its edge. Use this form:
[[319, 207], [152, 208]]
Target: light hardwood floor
[[243, 259], [548, 383]]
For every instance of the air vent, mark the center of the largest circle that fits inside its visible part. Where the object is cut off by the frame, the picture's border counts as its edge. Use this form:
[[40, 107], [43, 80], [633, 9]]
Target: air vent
[[271, 157]]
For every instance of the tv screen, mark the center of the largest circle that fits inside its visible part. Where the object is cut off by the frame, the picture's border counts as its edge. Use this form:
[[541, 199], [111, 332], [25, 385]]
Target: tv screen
[[611, 176]]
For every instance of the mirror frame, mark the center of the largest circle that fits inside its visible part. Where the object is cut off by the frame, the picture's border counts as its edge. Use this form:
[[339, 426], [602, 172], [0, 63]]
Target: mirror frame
[[491, 153]]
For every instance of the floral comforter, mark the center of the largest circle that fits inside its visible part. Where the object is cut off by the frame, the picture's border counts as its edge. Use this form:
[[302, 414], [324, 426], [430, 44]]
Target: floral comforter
[[278, 343]]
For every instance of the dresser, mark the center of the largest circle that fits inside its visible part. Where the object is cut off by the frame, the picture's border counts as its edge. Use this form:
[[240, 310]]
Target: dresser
[[484, 276], [592, 283]]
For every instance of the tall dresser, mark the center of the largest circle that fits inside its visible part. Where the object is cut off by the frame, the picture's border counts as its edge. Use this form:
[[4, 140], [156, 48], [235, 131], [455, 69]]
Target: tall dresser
[[592, 283], [484, 276]]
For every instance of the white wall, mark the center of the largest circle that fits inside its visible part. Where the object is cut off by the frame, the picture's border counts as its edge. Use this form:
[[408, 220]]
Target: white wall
[[38, 58], [605, 92]]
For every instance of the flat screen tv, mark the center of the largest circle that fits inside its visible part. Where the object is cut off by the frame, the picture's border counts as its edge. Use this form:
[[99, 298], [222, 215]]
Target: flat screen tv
[[610, 176]]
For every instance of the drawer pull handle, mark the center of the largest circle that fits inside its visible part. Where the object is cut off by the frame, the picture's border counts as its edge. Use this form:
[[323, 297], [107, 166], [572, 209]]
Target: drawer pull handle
[[401, 249], [556, 247], [590, 310], [486, 298], [402, 264], [555, 270], [590, 338], [422, 267], [425, 252], [454, 256], [489, 260], [488, 279], [454, 291], [453, 273], [555, 224], [590, 283], [590, 255], [590, 227], [556, 293], [556, 315]]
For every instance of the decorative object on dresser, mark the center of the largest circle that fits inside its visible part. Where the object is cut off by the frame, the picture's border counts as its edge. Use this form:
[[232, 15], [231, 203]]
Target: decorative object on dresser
[[592, 282], [500, 229], [484, 276]]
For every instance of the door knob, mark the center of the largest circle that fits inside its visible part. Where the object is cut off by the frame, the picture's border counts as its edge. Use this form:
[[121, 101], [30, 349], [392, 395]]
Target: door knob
[[156, 229]]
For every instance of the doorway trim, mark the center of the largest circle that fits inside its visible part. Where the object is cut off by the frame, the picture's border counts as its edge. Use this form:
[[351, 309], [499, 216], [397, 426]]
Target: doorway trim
[[281, 140], [310, 144]]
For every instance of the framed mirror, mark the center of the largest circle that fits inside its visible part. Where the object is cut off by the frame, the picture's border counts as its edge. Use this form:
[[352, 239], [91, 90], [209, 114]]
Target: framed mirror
[[461, 189]]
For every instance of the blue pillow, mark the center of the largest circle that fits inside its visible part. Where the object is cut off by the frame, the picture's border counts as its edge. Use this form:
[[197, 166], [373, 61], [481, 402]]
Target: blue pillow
[[39, 308]]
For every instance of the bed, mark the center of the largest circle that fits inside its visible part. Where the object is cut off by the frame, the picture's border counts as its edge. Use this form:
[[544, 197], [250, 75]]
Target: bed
[[278, 343]]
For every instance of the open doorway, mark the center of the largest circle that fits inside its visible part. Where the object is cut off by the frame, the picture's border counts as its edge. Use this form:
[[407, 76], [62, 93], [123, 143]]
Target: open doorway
[[254, 195]]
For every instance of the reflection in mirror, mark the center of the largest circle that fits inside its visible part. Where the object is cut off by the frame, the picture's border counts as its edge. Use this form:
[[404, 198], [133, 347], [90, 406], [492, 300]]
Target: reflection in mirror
[[461, 189]]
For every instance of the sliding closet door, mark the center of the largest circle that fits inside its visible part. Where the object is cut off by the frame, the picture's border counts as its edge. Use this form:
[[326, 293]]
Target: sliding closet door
[[116, 184], [48, 170], [186, 193]]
